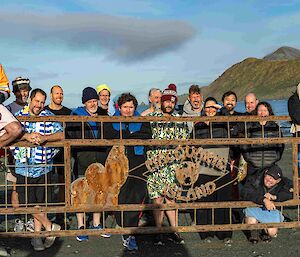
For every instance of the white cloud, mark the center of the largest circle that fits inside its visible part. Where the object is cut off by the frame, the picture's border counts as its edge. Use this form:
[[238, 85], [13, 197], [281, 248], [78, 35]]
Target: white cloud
[[120, 38]]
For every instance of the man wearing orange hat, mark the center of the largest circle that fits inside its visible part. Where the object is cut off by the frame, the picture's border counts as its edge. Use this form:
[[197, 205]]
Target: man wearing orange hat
[[104, 96], [10, 127]]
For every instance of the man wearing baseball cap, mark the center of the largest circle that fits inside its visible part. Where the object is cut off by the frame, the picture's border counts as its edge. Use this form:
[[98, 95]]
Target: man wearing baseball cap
[[271, 188]]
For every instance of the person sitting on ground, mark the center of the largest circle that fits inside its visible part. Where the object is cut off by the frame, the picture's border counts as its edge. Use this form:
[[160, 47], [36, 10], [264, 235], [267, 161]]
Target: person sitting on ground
[[34, 163], [271, 188], [154, 98]]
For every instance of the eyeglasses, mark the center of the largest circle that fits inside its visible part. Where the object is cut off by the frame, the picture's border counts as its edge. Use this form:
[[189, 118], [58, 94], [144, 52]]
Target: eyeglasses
[[105, 95]]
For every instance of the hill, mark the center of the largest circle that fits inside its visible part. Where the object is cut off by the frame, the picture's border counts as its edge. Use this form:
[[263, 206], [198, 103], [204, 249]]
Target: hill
[[283, 53], [268, 79]]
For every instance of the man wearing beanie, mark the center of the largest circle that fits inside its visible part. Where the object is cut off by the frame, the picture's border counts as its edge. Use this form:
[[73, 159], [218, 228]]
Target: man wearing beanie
[[21, 89], [84, 156], [159, 181], [271, 188]]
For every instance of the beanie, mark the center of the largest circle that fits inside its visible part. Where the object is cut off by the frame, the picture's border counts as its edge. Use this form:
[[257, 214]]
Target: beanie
[[99, 88], [21, 83], [170, 93], [89, 93]]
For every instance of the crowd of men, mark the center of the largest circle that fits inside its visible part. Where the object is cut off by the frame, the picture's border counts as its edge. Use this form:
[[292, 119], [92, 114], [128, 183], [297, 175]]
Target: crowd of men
[[263, 185]]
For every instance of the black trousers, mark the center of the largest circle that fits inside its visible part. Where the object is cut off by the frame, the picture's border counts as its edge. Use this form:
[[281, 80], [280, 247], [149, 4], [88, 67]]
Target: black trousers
[[134, 191], [220, 216]]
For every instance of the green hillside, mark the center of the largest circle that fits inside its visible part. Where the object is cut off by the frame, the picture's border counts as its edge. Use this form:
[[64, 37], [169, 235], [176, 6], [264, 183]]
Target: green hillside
[[273, 77], [267, 79]]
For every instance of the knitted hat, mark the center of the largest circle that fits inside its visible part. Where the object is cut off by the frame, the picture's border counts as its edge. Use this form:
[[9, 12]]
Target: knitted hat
[[170, 93], [274, 171], [21, 83], [89, 93], [99, 88]]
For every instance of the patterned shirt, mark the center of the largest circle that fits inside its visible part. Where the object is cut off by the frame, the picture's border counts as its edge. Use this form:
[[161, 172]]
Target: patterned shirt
[[36, 156], [164, 176]]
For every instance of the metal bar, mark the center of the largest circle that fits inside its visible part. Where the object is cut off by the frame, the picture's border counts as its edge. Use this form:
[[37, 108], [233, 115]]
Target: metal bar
[[141, 207], [67, 171], [295, 170], [154, 230], [152, 118], [160, 142]]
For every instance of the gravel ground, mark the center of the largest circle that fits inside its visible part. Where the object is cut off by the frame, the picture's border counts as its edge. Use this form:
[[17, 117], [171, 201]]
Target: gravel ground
[[287, 244]]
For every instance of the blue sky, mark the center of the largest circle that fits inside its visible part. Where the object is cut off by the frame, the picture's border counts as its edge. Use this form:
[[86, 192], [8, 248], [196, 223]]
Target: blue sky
[[135, 45]]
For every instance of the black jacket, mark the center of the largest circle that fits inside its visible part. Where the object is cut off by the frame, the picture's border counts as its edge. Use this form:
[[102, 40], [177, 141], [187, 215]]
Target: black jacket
[[213, 130], [255, 190], [294, 108], [85, 155], [261, 156]]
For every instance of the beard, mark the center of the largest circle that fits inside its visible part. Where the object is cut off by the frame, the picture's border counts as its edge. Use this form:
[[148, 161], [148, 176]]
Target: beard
[[229, 107], [167, 109]]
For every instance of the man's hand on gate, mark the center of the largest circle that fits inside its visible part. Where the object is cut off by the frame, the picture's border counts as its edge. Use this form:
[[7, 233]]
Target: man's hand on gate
[[269, 204]]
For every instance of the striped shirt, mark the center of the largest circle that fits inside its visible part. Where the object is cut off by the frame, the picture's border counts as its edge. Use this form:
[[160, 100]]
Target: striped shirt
[[35, 157]]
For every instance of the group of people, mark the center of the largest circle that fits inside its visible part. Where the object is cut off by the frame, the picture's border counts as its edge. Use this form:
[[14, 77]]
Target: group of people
[[264, 183]]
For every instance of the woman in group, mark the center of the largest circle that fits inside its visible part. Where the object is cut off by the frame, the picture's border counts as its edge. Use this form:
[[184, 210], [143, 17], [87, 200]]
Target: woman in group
[[261, 156], [134, 189], [213, 130]]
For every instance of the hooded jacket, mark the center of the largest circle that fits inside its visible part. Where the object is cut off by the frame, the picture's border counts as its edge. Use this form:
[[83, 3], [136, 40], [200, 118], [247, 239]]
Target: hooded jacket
[[188, 111]]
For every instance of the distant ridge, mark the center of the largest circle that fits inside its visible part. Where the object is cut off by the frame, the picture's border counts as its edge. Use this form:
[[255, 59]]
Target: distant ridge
[[267, 78], [283, 53]]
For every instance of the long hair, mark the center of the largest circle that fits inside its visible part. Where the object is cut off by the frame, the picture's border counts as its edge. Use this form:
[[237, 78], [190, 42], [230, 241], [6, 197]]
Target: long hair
[[267, 105]]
